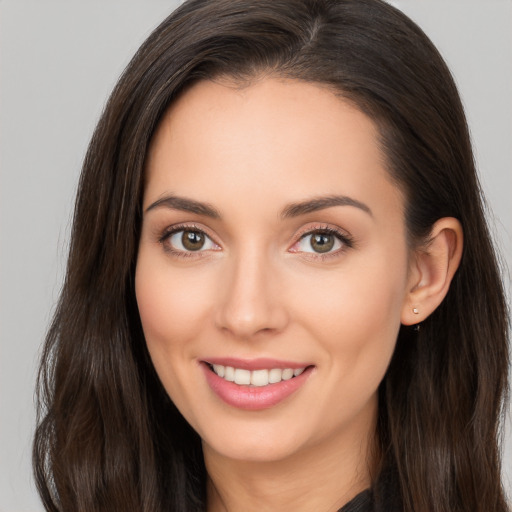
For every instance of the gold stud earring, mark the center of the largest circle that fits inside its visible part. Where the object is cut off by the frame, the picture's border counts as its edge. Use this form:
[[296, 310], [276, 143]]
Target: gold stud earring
[[415, 311]]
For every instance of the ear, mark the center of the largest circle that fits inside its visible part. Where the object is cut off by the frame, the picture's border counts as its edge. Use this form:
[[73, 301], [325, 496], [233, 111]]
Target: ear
[[432, 269]]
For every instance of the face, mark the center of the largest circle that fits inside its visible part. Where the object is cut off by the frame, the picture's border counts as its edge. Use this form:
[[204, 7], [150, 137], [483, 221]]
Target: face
[[272, 268]]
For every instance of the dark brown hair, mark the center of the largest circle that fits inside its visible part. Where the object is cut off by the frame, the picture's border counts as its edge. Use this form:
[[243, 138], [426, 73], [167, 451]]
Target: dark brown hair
[[108, 437]]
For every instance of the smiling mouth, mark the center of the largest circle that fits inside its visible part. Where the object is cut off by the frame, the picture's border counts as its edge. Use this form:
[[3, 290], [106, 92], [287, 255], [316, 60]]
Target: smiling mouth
[[255, 384], [255, 378]]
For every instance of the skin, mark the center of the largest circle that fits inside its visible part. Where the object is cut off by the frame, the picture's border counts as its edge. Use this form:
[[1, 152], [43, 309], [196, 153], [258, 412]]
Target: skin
[[259, 289]]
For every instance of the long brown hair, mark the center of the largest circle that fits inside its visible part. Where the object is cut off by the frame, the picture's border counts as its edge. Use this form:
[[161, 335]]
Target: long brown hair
[[108, 436]]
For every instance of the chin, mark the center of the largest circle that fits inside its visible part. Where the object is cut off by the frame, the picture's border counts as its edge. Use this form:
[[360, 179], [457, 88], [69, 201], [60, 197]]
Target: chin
[[246, 446]]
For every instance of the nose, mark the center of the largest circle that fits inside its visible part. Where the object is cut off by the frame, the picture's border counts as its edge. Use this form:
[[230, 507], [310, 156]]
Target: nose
[[251, 301]]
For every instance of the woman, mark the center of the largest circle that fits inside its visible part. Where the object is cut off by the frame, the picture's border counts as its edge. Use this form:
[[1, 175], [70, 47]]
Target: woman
[[281, 292]]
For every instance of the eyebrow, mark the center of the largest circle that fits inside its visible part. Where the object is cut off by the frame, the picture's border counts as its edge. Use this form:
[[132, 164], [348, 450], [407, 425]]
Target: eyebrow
[[186, 205], [321, 203], [291, 210]]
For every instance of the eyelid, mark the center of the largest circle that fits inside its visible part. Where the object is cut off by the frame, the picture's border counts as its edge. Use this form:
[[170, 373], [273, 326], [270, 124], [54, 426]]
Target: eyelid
[[343, 236], [169, 231]]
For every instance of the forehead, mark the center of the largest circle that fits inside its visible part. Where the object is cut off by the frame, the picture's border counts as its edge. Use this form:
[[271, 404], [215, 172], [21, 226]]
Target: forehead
[[283, 139]]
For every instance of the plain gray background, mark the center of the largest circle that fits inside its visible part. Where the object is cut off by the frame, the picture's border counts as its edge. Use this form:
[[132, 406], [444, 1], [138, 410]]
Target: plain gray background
[[59, 61]]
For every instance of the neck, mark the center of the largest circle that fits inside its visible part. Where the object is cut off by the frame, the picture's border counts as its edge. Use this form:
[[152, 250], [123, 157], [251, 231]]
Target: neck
[[321, 477]]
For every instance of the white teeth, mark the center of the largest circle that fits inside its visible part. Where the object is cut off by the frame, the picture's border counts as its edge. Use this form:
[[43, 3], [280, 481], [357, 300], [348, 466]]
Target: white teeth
[[242, 376], [287, 374], [259, 377], [275, 375], [256, 377], [229, 373], [218, 369]]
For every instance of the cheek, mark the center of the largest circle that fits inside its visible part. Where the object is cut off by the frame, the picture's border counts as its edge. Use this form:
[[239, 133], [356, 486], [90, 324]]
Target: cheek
[[356, 323], [356, 312], [173, 304]]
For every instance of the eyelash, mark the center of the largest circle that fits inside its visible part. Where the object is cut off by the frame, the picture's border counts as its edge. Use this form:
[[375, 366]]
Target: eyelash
[[169, 232], [346, 241]]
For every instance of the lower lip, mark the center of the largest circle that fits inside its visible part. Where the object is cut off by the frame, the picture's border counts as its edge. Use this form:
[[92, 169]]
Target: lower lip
[[253, 398]]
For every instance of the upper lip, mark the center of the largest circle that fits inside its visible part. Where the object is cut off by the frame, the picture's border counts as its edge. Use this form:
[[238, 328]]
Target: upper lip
[[263, 363]]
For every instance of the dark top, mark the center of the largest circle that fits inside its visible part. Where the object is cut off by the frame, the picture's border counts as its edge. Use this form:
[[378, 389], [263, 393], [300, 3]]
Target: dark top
[[384, 496], [363, 502]]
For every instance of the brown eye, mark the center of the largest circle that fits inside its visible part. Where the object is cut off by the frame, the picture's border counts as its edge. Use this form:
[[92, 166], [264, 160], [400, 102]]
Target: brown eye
[[192, 240], [322, 242], [188, 241]]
